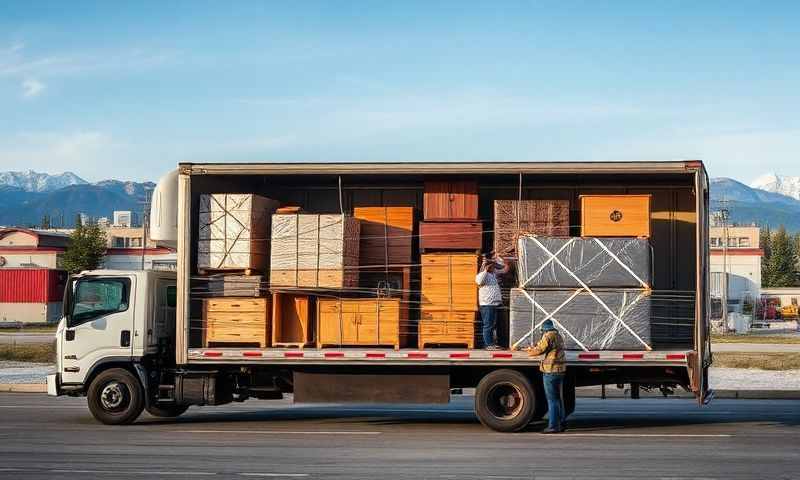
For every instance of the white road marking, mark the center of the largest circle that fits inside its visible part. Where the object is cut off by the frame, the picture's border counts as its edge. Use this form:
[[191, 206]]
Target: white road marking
[[641, 435], [135, 472], [279, 432], [293, 475]]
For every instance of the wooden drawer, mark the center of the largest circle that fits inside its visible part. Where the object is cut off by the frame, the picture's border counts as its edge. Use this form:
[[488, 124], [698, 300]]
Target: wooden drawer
[[447, 328], [232, 320], [615, 215], [448, 282]]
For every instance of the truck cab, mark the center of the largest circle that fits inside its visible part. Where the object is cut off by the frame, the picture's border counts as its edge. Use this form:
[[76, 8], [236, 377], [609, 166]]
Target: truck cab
[[112, 320]]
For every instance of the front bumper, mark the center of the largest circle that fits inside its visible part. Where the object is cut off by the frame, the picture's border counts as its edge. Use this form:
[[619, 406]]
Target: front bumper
[[54, 384]]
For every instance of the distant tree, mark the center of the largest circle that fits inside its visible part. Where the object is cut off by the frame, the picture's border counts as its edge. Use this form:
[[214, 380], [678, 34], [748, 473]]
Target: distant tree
[[86, 249], [46, 222], [781, 266], [765, 242]]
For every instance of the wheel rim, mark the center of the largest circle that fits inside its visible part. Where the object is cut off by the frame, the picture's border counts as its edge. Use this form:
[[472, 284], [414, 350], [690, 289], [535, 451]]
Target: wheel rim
[[505, 400], [115, 397]]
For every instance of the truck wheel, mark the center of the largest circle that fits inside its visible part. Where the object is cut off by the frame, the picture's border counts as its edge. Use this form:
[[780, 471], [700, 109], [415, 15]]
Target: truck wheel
[[166, 411], [116, 397], [504, 401]]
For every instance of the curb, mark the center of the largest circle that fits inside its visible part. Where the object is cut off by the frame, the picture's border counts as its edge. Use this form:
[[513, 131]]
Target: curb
[[23, 387], [613, 392]]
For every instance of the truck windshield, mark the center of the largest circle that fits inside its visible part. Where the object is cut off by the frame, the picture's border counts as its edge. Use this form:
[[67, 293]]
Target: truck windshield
[[97, 297]]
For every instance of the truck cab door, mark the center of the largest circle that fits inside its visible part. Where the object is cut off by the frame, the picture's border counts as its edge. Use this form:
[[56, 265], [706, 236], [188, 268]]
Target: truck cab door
[[99, 324]]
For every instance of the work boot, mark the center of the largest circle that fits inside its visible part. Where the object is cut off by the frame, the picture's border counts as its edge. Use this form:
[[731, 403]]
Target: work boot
[[550, 430], [494, 347]]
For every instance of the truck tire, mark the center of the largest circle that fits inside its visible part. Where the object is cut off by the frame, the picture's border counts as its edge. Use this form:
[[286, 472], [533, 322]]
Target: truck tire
[[166, 411], [505, 401], [116, 397]]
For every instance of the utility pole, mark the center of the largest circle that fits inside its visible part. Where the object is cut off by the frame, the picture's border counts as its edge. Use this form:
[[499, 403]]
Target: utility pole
[[723, 214], [145, 222]]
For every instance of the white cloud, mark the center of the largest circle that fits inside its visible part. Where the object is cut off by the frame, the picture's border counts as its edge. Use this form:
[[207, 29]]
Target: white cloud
[[85, 152], [32, 88]]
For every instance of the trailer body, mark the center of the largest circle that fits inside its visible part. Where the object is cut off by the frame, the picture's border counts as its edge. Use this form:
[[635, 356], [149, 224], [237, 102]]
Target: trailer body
[[174, 370]]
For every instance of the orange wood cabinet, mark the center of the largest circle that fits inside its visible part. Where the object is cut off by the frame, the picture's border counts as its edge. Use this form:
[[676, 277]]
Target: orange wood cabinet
[[236, 321], [360, 321], [385, 235], [615, 215], [450, 236], [291, 320], [451, 201], [448, 282], [447, 328]]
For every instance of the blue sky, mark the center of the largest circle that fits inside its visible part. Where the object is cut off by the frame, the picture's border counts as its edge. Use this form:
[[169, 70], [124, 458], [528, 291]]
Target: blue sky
[[128, 90]]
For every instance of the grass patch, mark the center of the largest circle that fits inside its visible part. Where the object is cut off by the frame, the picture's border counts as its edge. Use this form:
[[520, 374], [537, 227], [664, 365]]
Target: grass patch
[[755, 339], [34, 352], [763, 361], [29, 329]]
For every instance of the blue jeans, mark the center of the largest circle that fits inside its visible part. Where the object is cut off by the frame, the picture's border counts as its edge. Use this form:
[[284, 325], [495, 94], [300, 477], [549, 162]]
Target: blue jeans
[[488, 321], [552, 389]]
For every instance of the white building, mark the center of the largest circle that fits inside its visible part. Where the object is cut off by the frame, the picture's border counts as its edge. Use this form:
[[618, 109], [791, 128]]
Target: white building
[[123, 218], [742, 261]]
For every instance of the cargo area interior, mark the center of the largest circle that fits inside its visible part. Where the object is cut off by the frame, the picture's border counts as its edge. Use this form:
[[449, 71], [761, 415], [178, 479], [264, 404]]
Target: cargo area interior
[[673, 225]]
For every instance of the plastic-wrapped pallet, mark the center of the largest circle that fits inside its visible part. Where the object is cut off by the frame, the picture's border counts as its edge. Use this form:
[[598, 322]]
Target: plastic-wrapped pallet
[[582, 320], [233, 230], [314, 251], [598, 262]]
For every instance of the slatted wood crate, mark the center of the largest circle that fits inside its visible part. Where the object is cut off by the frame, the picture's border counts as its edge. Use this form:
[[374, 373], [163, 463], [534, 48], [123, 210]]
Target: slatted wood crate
[[386, 234], [447, 328], [236, 321], [292, 324], [361, 322], [448, 282], [314, 251], [453, 201], [513, 218], [456, 236], [615, 215], [233, 231]]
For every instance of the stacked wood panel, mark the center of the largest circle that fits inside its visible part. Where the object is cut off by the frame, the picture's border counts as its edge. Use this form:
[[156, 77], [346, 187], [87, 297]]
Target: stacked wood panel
[[513, 218], [455, 236], [360, 322], [233, 231], [386, 234], [449, 299], [236, 321], [314, 251]]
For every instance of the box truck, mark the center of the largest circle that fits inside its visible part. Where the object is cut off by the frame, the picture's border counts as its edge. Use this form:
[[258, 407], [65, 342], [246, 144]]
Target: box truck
[[135, 340]]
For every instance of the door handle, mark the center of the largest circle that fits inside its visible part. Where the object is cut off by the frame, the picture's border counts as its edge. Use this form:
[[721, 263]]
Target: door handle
[[125, 338]]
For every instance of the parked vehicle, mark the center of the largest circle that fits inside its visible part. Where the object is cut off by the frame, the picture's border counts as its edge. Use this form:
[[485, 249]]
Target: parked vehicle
[[133, 340]]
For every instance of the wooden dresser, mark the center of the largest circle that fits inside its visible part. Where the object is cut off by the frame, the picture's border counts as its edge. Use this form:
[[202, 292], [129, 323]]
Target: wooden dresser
[[236, 321], [360, 321]]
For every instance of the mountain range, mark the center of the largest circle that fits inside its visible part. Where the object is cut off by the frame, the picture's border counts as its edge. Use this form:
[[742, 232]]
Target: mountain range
[[26, 197]]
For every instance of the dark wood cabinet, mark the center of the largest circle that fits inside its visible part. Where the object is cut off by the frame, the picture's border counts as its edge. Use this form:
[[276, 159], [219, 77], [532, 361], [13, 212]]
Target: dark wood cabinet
[[451, 201]]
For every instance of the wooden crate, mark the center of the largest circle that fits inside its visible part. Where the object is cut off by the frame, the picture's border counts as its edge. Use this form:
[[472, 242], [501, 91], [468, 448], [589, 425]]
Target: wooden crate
[[615, 215], [447, 328], [539, 217], [360, 321], [451, 236], [232, 232], [448, 282], [236, 321], [454, 201], [386, 234], [314, 251], [291, 320]]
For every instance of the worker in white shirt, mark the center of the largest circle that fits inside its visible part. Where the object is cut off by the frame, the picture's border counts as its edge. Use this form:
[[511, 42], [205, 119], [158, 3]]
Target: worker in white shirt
[[490, 297]]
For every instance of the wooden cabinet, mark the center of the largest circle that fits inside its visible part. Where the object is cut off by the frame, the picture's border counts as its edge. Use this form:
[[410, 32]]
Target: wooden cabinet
[[360, 321], [447, 328], [615, 215], [236, 321], [450, 236], [386, 234], [451, 201], [291, 320], [448, 282]]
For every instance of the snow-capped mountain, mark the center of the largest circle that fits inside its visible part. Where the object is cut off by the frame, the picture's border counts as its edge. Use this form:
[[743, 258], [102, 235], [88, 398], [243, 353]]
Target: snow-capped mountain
[[31, 181], [785, 185]]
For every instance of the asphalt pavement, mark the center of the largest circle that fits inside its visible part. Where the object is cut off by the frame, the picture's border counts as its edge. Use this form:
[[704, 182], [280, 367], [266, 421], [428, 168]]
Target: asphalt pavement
[[43, 437]]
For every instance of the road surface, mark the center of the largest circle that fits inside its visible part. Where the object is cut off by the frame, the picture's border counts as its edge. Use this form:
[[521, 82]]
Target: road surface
[[42, 437], [28, 338]]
